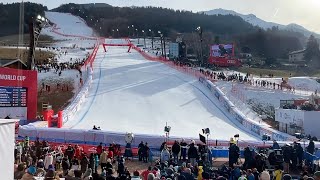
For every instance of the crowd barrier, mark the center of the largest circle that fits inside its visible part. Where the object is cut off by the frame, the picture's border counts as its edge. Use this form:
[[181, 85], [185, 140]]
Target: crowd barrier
[[185, 69], [70, 111], [247, 123]]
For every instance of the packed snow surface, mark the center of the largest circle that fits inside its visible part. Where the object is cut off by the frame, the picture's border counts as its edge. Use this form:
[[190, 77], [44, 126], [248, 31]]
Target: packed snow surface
[[131, 94]]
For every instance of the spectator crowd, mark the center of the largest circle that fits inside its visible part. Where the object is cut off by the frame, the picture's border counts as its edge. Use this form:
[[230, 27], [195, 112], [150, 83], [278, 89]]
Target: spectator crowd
[[180, 160]]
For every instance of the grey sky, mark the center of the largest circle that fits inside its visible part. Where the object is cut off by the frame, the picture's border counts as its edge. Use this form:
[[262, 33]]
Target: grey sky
[[303, 12]]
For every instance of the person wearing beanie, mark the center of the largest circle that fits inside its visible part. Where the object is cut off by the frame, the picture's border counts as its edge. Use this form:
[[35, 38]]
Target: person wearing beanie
[[30, 173], [136, 175], [264, 175]]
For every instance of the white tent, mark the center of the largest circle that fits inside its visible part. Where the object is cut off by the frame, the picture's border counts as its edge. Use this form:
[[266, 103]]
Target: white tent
[[7, 139]]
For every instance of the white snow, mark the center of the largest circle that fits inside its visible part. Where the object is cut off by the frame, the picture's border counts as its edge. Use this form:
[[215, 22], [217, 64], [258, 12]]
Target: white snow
[[69, 24], [131, 94]]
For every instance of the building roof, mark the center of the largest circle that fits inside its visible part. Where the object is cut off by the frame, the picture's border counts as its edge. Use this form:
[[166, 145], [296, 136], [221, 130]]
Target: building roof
[[7, 62], [297, 52]]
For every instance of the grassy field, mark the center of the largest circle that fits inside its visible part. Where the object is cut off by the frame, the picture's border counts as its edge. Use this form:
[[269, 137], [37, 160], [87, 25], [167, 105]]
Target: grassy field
[[57, 98], [12, 53]]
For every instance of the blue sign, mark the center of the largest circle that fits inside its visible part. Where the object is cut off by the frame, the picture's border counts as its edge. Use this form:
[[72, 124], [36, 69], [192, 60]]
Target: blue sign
[[13, 97]]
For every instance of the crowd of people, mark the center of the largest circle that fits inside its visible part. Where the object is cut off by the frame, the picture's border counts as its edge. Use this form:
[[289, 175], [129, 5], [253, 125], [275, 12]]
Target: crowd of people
[[246, 79], [180, 160]]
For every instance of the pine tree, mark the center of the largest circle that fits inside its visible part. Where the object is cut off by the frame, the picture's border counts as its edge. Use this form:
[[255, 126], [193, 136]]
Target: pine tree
[[312, 49]]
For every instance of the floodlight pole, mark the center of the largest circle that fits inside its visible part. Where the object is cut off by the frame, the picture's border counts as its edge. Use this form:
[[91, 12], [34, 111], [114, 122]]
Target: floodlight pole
[[31, 55]]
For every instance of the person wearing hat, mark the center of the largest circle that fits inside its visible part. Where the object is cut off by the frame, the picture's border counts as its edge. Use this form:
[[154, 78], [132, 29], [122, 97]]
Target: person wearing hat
[[316, 175], [30, 173]]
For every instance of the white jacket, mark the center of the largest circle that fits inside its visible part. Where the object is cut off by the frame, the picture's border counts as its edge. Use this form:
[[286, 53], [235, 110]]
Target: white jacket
[[48, 160]]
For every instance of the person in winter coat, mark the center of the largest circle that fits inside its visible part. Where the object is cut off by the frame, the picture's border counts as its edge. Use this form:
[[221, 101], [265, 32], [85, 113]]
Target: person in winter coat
[[165, 155], [48, 160], [277, 174], [311, 147], [183, 154], [234, 153], [96, 162], [247, 158], [121, 168], [192, 154], [175, 151], [103, 159], [69, 152], [140, 150], [99, 150], [146, 150], [92, 162], [78, 151], [65, 165], [84, 163], [275, 145], [30, 174]]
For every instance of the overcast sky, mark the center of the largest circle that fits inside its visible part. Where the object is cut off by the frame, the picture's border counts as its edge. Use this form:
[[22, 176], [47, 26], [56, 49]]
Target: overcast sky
[[303, 12]]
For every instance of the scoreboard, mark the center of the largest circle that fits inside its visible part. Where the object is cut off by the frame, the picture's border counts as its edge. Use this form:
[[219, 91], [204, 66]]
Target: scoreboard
[[13, 96]]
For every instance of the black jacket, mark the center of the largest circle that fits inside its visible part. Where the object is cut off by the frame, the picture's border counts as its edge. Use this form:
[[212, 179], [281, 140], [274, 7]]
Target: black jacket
[[176, 148], [192, 152]]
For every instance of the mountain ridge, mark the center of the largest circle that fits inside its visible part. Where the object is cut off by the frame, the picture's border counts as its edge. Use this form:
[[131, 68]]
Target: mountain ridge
[[255, 21]]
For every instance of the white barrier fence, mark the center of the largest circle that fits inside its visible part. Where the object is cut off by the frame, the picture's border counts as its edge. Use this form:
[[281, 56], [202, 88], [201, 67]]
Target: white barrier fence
[[238, 116], [70, 111]]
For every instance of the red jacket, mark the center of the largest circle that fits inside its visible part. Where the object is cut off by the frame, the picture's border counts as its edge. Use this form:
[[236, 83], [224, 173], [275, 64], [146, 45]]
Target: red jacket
[[110, 154], [99, 149]]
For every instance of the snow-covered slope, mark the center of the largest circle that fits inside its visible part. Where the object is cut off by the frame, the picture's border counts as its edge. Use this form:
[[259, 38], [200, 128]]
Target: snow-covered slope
[[255, 21], [66, 24], [131, 94]]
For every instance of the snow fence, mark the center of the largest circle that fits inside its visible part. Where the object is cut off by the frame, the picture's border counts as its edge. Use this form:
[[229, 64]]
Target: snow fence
[[237, 116], [70, 111]]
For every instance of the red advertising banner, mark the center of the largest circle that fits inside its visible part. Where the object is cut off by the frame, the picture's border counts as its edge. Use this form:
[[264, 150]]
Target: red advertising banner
[[18, 93]]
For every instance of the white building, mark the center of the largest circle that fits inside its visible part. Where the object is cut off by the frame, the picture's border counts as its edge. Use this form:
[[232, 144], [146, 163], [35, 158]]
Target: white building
[[7, 139], [292, 121], [297, 56]]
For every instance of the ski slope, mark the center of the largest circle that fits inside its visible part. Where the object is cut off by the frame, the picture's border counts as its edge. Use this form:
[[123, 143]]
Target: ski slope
[[131, 94]]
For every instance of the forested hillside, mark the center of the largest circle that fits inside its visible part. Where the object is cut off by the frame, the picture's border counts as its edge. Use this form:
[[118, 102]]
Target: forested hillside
[[9, 16]]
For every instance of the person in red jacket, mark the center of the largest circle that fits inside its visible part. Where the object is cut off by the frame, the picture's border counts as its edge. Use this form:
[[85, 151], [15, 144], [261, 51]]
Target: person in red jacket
[[145, 173], [78, 151], [99, 149]]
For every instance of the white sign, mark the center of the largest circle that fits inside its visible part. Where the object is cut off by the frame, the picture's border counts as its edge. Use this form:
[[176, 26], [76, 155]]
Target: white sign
[[290, 116]]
